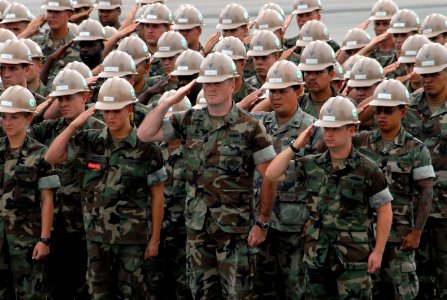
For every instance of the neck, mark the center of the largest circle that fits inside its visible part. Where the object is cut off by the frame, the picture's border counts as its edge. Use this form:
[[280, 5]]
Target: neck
[[220, 110], [342, 152], [390, 135], [122, 132], [284, 118], [386, 45], [34, 85], [321, 96], [261, 79], [152, 48], [138, 86], [195, 46], [17, 140], [60, 33]]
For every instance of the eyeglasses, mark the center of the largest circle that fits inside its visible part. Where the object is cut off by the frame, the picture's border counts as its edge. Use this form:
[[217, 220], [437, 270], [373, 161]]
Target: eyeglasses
[[386, 110]]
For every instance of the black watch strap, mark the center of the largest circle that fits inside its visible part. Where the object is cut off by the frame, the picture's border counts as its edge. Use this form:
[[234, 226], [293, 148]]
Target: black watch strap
[[263, 226], [46, 241], [296, 150]]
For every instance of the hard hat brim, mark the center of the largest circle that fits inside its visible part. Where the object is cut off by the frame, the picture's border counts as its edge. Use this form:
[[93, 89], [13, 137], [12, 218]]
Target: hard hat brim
[[113, 105], [434, 33], [407, 59], [316, 67], [14, 20], [380, 18], [15, 61], [306, 10], [363, 83], [58, 8], [67, 92], [333, 124], [115, 74], [89, 38], [429, 70], [146, 21], [107, 7], [390, 103], [184, 73], [14, 110], [186, 26], [358, 46], [283, 85], [230, 26], [167, 53], [251, 53], [211, 79], [402, 30]]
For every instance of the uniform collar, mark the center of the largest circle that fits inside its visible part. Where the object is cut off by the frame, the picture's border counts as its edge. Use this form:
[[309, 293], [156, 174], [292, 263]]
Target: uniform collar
[[351, 161], [130, 140]]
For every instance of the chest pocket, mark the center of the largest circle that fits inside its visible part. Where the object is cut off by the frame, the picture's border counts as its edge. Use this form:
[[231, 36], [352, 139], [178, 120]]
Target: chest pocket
[[398, 175], [25, 180], [231, 159], [95, 168], [193, 149], [134, 177], [352, 196]]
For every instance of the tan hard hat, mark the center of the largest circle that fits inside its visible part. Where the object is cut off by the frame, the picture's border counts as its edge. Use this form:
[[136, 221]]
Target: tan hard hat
[[317, 56], [264, 43], [3, 5], [200, 100], [115, 93], [108, 4], [410, 48], [68, 82], [433, 25], [404, 21], [16, 12], [188, 63], [431, 58], [283, 74], [169, 44], [15, 52], [139, 13], [365, 72], [73, 28], [109, 31], [233, 47], [181, 106], [349, 63], [217, 67], [390, 93], [142, 2], [90, 30], [232, 16], [82, 3], [17, 99], [58, 5], [187, 16], [339, 74], [312, 30], [269, 19], [336, 112], [5, 35], [273, 6], [306, 6], [355, 39], [383, 10], [36, 51], [135, 47], [80, 67], [156, 13], [117, 64]]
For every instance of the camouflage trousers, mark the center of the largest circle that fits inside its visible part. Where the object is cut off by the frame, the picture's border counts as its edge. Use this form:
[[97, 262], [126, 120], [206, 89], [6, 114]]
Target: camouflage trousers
[[222, 265], [279, 267], [166, 274], [431, 260], [21, 277], [115, 271], [338, 281], [397, 278]]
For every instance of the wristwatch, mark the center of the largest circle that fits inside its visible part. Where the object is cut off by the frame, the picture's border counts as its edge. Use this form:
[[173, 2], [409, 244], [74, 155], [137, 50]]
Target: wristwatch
[[263, 226], [294, 149], [46, 241]]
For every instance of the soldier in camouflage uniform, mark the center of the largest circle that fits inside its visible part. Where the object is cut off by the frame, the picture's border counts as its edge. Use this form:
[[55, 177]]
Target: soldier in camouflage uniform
[[406, 164], [343, 187], [16, 18], [279, 267], [235, 49], [67, 277], [156, 20], [58, 13], [26, 204], [426, 120], [109, 12], [33, 80], [122, 193], [188, 21], [223, 145], [365, 76], [434, 27], [90, 40], [317, 64]]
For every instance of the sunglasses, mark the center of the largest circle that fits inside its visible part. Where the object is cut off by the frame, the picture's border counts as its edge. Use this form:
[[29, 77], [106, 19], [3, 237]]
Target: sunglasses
[[386, 110]]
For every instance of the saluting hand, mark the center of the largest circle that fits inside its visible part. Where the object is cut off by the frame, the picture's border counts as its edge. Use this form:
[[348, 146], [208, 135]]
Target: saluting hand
[[82, 118]]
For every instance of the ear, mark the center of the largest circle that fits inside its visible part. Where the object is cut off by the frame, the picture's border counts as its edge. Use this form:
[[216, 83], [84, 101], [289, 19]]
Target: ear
[[318, 16], [243, 63], [331, 75], [129, 108], [299, 91], [403, 112], [86, 96]]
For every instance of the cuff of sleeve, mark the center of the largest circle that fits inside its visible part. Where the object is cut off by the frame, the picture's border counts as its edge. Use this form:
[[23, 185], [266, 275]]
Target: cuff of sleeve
[[168, 130], [424, 172], [264, 155], [379, 199], [157, 177], [48, 182]]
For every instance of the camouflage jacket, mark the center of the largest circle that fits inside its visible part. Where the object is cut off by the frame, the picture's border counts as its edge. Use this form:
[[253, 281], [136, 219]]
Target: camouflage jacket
[[289, 211], [403, 162], [153, 80], [23, 174], [219, 164], [254, 82], [156, 69], [384, 58], [43, 90], [340, 202], [49, 46], [68, 197], [146, 85], [431, 129], [245, 90], [305, 103], [116, 196]]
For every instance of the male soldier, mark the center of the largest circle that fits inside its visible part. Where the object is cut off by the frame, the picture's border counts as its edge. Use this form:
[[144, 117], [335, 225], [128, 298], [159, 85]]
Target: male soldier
[[407, 58], [15, 59], [222, 147], [58, 37], [365, 76], [80, 8], [406, 164], [279, 267], [338, 81], [271, 20], [233, 21], [90, 38], [188, 21], [312, 31], [109, 12], [235, 49], [434, 27], [16, 18], [26, 203], [426, 121], [354, 40], [317, 64], [156, 20], [67, 276], [265, 49], [122, 193], [343, 187], [33, 79]]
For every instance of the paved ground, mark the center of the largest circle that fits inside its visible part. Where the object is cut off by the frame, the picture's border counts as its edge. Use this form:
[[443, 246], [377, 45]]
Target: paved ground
[[339, 16]]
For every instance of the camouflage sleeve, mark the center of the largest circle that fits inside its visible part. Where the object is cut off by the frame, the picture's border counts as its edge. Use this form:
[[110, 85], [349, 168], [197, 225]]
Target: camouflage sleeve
[[79, 141], [316, 139], [378, 191], [172, 126], [260, 116], [38, 131], [424, 168], [156, 172], [263, 149], [47, 178]]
